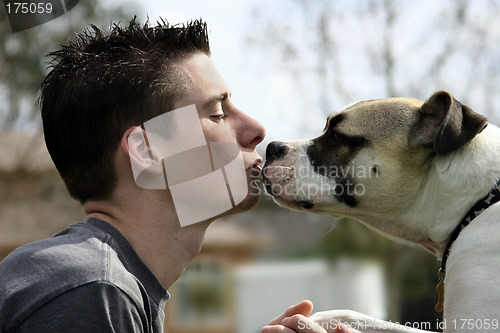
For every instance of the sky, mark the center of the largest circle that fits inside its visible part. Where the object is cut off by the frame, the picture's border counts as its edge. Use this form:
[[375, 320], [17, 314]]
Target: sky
[[262, 86], [255, 90]]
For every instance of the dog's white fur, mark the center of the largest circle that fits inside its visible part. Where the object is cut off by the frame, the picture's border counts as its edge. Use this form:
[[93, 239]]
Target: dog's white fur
[[454, 182], [472, 282]]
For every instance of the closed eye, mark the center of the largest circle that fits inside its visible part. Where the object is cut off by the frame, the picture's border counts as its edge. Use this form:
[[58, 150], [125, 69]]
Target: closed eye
[[219, 116], [353, 141], [338, 138]]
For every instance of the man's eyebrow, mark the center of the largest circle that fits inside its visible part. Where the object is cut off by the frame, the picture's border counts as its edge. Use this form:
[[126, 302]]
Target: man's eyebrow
[[217, 98]]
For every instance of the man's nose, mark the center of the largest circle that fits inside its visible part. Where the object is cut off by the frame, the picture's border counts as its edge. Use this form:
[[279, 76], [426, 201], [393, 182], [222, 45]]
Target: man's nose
[[253, 132]]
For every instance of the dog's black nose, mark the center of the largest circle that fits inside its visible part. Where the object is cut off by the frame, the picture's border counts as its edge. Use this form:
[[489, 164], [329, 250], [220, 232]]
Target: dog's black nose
[[275, 150]]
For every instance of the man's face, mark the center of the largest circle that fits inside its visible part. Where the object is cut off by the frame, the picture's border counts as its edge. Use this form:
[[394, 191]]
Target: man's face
[[221, 121]]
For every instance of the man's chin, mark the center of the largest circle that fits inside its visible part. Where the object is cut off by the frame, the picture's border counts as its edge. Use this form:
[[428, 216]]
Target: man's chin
[[247, 204], [250, 202]]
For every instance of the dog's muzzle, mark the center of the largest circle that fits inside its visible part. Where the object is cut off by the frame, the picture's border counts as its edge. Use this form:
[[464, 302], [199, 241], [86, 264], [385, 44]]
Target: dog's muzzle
[[275, 151]]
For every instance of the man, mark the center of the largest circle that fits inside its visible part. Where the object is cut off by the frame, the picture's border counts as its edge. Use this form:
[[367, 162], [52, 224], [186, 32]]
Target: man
[[110, 273]]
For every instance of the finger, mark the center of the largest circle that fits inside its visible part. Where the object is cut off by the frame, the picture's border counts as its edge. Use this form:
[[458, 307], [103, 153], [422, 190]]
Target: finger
[[304, 308], [302, 324], [277, 329], [299, 323]]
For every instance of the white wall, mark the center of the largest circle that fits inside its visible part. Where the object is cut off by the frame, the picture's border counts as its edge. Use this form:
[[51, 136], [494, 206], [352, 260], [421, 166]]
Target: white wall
[[265, 290]]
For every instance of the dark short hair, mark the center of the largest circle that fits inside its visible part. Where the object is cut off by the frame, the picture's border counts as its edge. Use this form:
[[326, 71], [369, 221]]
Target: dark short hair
[[104, 83]]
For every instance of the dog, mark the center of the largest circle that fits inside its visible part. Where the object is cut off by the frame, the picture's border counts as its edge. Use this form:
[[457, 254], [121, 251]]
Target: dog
[[411, 170]]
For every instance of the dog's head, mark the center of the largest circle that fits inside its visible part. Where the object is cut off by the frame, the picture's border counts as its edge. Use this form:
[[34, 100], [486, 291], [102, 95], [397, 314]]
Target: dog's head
[[372, 157]]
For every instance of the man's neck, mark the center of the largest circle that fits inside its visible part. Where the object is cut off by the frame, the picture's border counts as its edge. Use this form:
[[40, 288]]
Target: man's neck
[[157, 237]]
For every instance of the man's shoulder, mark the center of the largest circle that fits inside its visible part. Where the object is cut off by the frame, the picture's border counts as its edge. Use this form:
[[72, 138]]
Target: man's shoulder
[[36, 273], [94, 307], [71, 253]]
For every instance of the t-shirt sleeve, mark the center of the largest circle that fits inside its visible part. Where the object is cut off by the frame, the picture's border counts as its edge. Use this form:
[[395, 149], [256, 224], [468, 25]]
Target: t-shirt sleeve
[[94, 307]]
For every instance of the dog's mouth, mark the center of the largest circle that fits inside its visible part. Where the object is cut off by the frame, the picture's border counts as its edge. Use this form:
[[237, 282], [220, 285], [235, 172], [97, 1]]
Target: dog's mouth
[[295, 204], [266, 181], [306, 204], [275, 185], [277, 189]]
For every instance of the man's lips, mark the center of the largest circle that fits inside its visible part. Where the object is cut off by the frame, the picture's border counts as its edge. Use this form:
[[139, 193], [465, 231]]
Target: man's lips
[[256, 168]]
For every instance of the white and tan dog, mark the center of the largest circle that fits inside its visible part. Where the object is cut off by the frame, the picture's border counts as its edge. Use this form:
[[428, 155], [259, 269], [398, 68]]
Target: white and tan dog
[[411, 170]]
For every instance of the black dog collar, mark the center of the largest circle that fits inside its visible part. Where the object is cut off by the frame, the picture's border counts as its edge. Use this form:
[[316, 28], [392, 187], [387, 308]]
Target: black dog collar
[[489, 199]]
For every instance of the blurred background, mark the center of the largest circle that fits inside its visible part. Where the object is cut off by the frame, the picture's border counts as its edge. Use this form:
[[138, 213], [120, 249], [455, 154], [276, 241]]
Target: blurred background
[[289, 64]]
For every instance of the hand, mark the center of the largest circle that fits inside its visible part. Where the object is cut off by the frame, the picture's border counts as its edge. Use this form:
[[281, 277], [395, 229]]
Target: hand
[[294, 319], [276, 325]]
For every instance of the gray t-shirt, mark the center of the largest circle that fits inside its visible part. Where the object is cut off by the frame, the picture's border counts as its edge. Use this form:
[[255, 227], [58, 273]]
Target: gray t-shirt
[[87, 278]]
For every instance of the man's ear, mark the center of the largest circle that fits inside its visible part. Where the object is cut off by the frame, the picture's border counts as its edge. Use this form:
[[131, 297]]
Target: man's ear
[[134, 144], [146, 167], [445, 124]]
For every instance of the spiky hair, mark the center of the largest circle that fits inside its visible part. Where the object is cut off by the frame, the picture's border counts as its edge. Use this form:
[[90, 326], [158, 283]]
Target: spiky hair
[[103, 83]]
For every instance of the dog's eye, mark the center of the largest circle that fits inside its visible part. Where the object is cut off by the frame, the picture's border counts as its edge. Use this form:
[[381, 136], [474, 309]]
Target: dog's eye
[[339, 138]]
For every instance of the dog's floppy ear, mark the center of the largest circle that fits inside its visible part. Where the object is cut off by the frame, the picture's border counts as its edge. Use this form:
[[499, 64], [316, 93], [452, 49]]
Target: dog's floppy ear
[[445, 124]]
